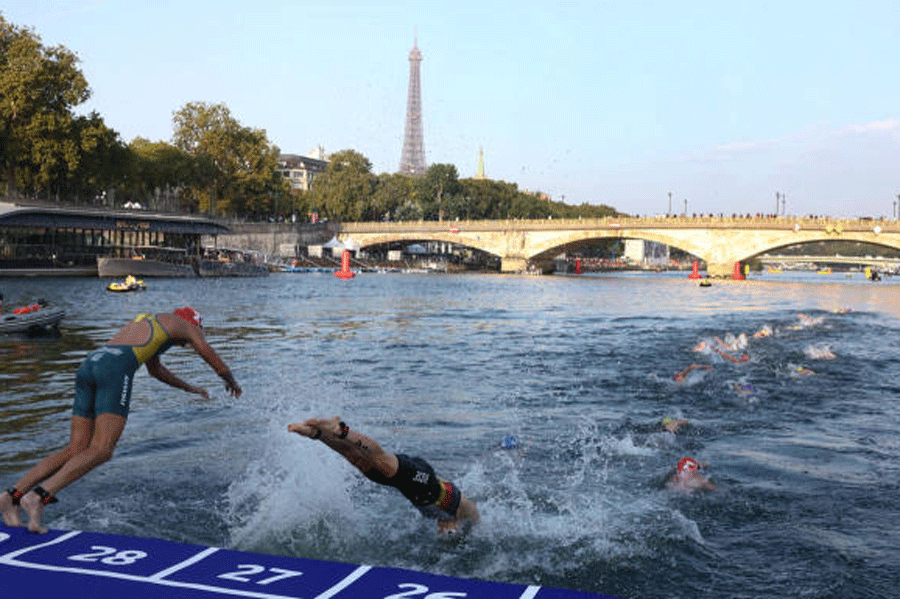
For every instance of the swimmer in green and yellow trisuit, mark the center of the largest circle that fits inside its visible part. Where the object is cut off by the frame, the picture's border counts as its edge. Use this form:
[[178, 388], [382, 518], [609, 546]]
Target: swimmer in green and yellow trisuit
[[412, 476], [102, 398]]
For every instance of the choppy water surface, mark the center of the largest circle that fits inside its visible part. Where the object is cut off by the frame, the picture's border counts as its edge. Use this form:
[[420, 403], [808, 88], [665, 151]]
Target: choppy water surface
[[578, 368]]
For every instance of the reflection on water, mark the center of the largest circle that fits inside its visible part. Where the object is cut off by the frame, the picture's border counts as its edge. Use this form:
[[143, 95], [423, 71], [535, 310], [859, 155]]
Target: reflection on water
[[578, 368]]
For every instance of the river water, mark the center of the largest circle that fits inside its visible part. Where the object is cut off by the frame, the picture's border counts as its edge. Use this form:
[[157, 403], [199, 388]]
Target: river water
[[579, 369]]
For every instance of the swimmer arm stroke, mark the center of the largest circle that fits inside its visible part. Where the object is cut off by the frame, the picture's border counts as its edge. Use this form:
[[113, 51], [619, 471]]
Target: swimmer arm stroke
[[360, 450], [158, 371], [188, 334]]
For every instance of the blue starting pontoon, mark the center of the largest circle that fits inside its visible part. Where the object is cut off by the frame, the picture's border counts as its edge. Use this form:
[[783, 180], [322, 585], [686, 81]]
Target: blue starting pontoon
[[89, 564]]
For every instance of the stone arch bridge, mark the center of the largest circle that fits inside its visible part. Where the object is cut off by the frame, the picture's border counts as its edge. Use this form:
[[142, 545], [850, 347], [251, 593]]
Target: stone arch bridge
[[719, 241]]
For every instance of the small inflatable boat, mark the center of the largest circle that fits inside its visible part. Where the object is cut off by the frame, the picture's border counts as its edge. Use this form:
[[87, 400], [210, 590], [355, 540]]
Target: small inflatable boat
[[128, 285], [31, 319]]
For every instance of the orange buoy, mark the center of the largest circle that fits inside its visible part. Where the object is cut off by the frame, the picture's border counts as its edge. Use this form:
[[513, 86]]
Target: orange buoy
[[345, 272]]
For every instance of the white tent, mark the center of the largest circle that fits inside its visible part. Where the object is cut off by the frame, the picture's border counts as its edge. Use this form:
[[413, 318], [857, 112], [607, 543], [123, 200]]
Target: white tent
[[334, 244]]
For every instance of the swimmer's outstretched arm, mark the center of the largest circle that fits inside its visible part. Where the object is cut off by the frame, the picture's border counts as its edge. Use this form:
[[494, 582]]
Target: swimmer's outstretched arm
[[360, 450], [743, 358], [680, 375], [158, 371]]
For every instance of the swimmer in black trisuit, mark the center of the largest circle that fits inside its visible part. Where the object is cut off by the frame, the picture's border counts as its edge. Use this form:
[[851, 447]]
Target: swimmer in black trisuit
[[414, 477], [102, 399]]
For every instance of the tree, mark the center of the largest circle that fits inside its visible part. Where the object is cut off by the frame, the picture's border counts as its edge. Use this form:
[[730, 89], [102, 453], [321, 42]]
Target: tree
[[255, 179], [489, 199], [440, 188], [157, 168], [39, 87], [102, 158], [234, 167], [396, 198], [346, 189]]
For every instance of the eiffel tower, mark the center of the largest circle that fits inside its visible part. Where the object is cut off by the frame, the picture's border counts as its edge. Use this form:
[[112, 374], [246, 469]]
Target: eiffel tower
[[412, 161]]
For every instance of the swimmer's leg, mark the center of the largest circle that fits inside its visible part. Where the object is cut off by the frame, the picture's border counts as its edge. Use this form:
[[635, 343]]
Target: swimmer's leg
[[466, 517], [107, 428], [80, 437], [10, 510]]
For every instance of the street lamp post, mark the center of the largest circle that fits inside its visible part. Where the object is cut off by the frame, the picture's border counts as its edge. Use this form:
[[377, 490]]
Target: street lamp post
[[669, 213], [777, 200], [782, 204], [685, 207]]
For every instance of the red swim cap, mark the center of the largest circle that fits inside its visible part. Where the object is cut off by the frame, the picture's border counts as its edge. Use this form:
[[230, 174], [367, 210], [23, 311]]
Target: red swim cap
[[190, 315], [687, 465]]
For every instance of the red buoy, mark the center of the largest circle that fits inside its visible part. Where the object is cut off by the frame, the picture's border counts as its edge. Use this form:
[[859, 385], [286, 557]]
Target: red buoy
[[345, 272], [695, 272], [738, 275], [577, 266]]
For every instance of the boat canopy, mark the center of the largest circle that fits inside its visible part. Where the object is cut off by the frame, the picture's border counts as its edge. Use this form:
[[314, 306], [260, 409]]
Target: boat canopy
[[12, 215]]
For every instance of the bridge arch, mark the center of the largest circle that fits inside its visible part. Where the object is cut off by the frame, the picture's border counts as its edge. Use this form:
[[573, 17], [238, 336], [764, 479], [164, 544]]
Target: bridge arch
[[553, 247], [720, 249], [719, 241], [468, 241]]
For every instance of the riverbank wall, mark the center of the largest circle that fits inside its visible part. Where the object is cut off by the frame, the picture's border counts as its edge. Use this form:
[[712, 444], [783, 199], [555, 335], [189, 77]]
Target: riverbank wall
[[279, 240]]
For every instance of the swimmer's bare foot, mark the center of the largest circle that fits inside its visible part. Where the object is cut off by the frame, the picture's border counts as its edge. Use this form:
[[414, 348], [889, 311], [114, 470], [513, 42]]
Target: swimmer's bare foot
[[10, 511], [32, 506]]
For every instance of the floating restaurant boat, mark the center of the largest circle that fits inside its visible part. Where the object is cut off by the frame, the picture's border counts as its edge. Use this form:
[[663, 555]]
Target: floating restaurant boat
[[55, 240]]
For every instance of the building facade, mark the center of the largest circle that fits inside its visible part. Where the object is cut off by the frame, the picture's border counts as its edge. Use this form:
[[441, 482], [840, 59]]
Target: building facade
[[300, 171]]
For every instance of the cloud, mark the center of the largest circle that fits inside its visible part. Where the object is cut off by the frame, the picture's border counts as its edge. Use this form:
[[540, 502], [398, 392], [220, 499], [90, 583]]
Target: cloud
[[807, 137], [886, 125]]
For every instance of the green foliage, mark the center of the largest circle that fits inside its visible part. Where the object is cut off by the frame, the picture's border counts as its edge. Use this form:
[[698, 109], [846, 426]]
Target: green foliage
[[39, 87], [346, 190], [157, 166], [349, 191], [396, 197], [440, 192], [233, 167]]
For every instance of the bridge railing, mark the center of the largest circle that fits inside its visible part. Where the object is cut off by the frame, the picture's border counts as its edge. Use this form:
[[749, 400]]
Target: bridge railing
[[630, 222]]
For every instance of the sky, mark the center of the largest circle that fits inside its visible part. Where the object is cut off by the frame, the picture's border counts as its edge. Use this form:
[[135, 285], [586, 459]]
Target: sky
[[727, 106]]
